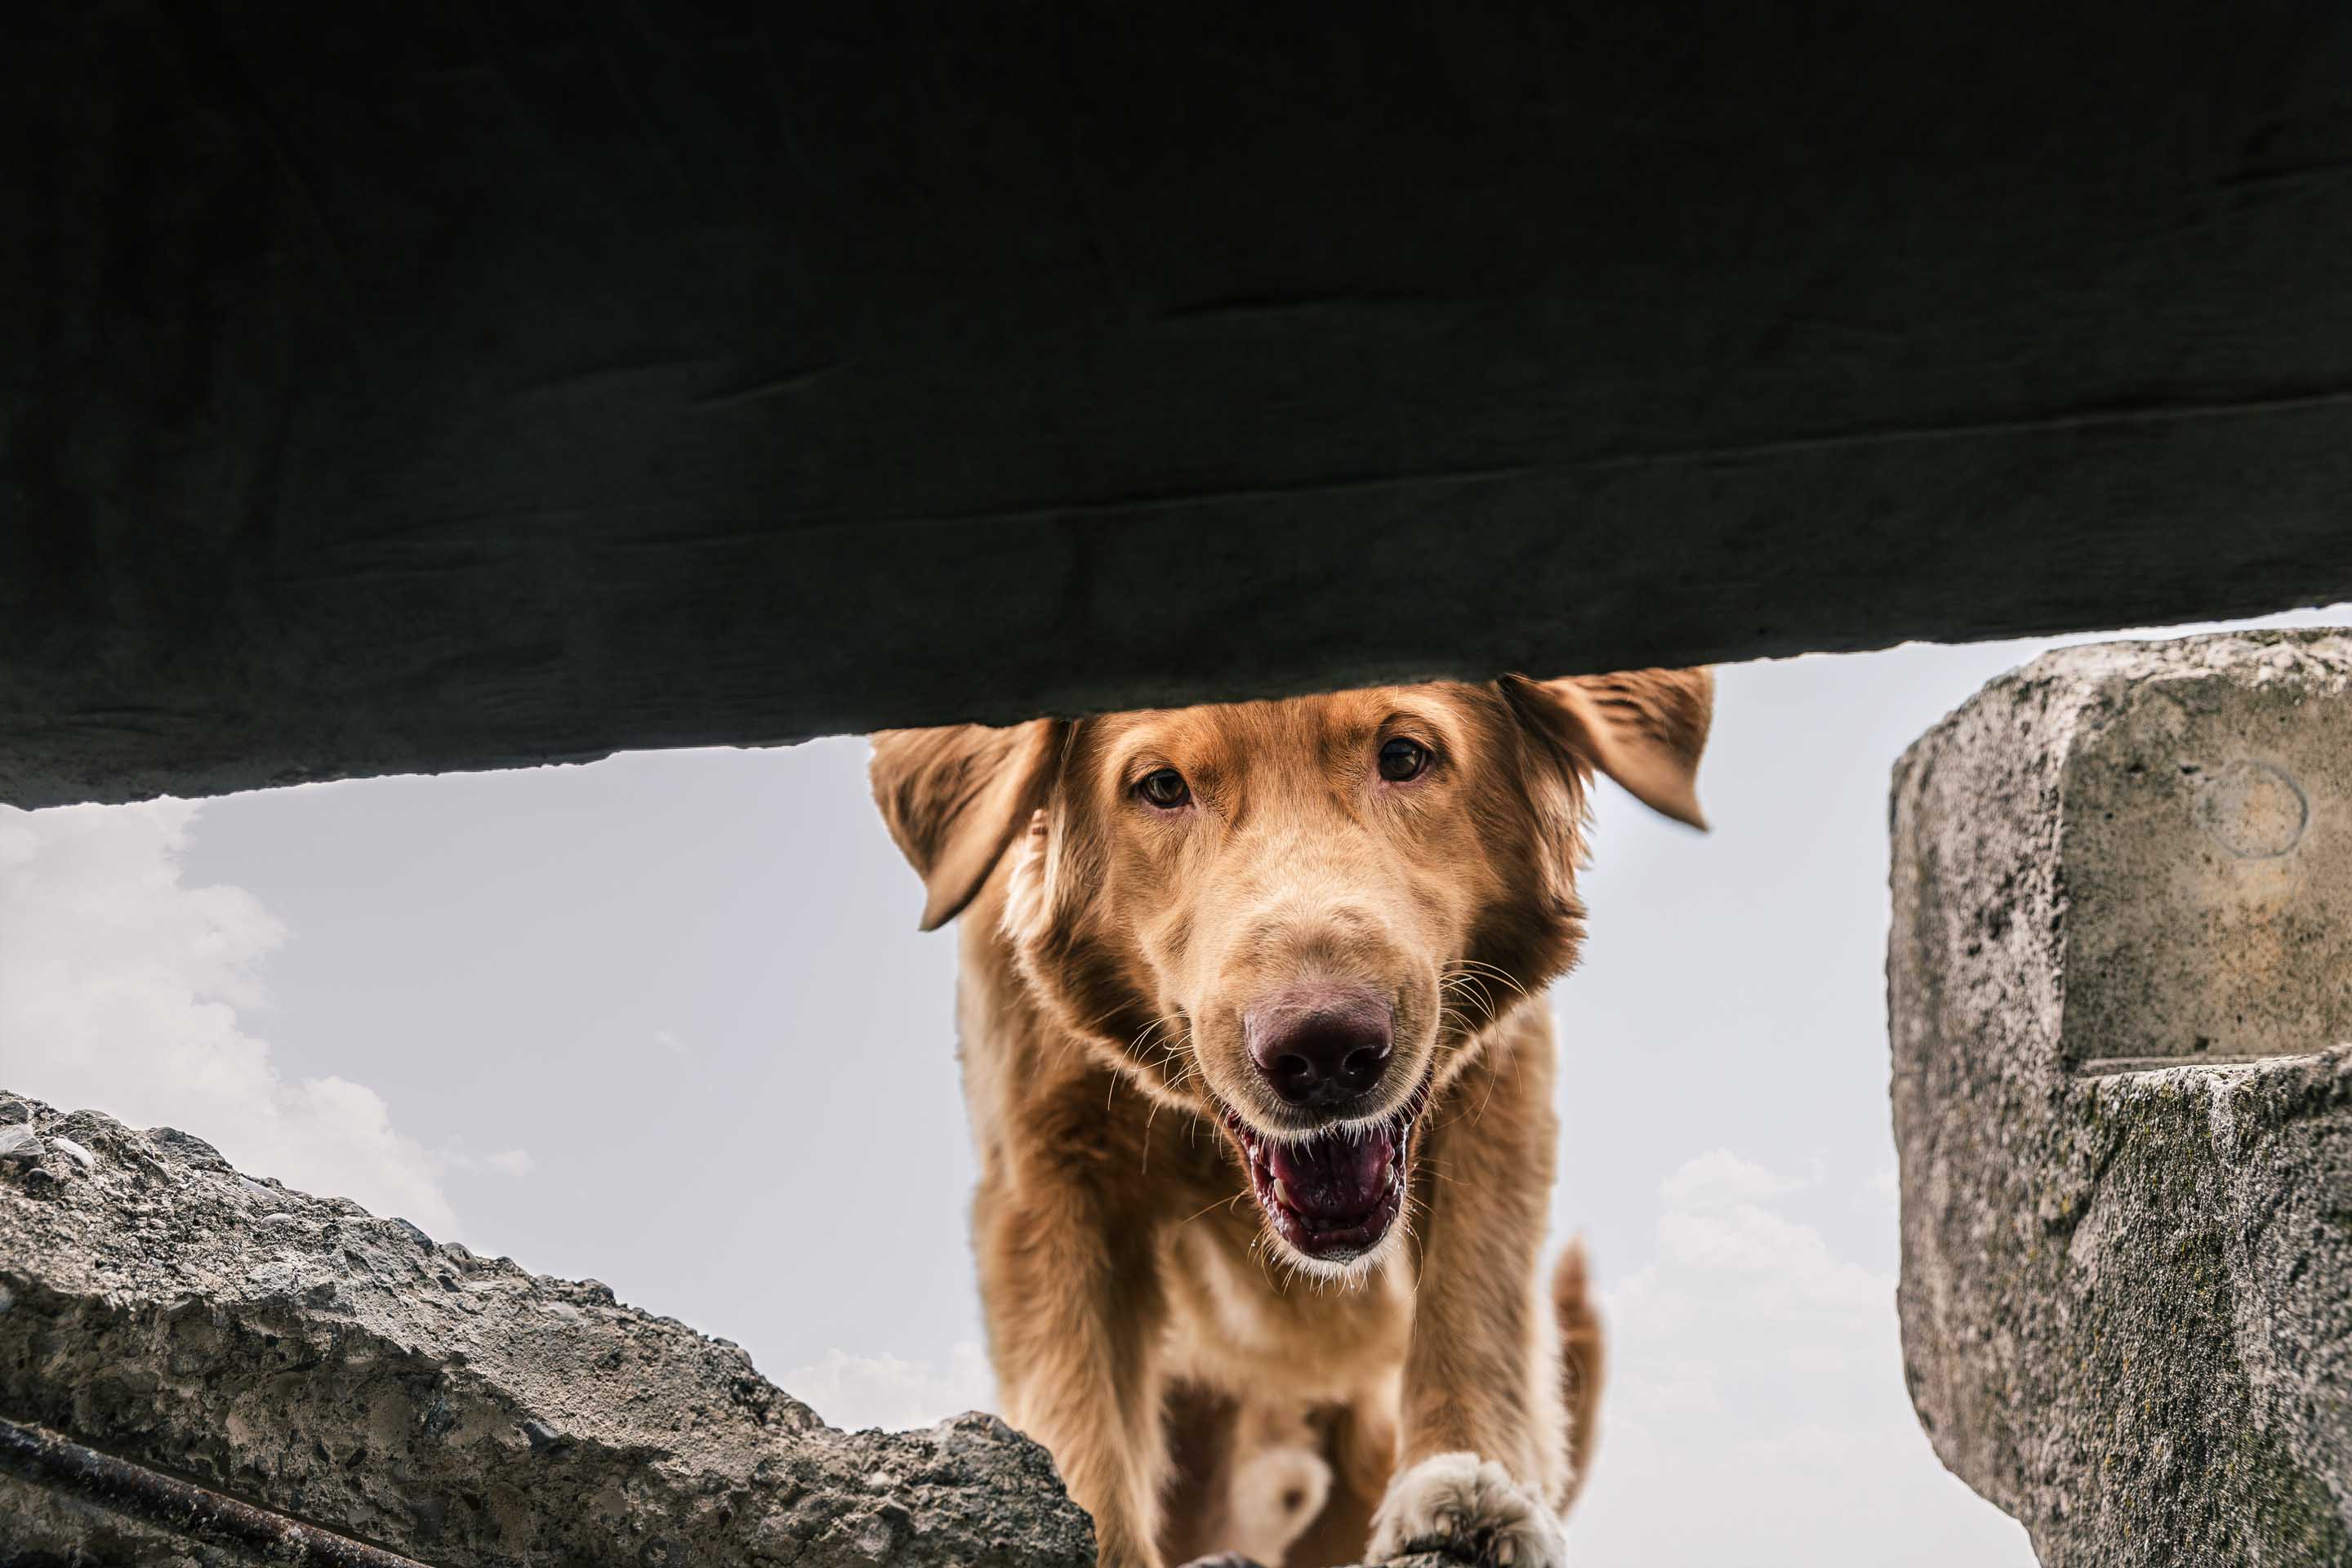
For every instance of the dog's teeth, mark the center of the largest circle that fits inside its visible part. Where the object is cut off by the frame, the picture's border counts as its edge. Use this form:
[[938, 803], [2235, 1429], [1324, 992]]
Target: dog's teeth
[[1390, 1184], [1282, 1194]]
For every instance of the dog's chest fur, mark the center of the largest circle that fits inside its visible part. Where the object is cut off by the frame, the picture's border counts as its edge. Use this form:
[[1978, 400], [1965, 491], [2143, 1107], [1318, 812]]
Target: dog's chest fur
[[1237, 1320]]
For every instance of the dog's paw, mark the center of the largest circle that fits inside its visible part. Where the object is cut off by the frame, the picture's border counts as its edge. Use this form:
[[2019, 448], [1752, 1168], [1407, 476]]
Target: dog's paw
[[1465, 1507]]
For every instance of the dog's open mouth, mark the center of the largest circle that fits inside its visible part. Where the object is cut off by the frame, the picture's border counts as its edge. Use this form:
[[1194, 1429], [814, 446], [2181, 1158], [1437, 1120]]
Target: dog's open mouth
[[1332, 1196]]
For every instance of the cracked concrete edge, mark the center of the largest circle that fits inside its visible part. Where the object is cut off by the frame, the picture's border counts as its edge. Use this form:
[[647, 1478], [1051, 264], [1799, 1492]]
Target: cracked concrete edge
[[305, 1355]]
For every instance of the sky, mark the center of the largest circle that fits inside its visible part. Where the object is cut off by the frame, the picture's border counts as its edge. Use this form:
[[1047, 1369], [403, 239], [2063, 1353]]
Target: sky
[[666, 1021]]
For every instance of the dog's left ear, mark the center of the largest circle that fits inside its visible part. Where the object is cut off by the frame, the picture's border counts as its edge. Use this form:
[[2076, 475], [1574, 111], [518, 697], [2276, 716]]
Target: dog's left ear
[[952, 798], [1644, 728]]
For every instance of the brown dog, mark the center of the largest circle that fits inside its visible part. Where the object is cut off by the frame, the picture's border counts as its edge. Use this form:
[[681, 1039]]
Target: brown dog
[[1261, 1077]]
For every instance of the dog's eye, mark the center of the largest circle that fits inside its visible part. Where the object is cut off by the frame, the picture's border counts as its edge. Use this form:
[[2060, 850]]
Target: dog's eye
[[1165, 789], [1401, 759]]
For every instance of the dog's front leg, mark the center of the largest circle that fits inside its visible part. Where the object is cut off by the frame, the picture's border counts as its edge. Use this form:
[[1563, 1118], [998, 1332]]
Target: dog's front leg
[[1073, 1311], [1483, 1455]]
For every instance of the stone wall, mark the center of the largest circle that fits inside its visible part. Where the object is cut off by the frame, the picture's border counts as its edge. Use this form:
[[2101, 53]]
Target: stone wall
[[2120, 998]]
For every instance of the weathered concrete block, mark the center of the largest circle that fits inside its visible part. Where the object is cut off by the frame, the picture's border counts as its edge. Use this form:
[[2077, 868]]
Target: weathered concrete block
[[308, 1357], [2119, 998]]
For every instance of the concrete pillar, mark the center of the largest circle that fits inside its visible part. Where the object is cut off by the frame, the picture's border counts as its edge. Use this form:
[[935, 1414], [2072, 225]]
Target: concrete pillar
[[2119, 987]]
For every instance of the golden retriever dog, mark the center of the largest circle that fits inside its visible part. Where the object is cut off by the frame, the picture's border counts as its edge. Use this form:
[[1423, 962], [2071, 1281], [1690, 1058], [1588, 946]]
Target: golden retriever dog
[[1261, 1076]]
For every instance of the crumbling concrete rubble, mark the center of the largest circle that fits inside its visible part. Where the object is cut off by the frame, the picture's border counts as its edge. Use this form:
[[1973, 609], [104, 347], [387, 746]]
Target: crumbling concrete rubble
[[2120, 989], [308, 1357]]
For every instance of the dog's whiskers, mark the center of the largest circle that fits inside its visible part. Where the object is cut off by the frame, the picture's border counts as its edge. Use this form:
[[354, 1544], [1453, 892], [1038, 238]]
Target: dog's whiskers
[[1212, 1203], [1495, 1081], [1144, 1036], [1144, 1039], [1460, 1023], [1477, 966], [1472, 988]]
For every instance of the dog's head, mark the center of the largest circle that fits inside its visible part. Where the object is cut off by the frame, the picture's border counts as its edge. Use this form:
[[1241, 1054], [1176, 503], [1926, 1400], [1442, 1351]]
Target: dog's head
[[1295, 918]]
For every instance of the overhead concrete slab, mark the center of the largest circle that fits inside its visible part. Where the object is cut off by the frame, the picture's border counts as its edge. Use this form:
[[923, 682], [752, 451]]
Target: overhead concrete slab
[[479, 383]]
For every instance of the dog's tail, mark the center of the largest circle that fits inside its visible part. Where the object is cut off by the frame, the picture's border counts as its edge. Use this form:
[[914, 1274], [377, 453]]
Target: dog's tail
[[1579, 1360]]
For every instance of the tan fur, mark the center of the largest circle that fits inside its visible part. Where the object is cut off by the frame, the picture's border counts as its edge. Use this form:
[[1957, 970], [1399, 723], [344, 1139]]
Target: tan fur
[[1580, 1363], [1108, 952]]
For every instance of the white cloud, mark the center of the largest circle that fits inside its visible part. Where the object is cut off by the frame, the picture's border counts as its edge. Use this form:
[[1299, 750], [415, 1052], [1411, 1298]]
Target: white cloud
[[1720, 1179], [854, 1392], [668, 1040], [505, 1161], [1755, 1410], [120, 989]]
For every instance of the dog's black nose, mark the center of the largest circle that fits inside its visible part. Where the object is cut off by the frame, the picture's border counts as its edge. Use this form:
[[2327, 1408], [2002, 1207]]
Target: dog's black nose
[[1323, 1045]]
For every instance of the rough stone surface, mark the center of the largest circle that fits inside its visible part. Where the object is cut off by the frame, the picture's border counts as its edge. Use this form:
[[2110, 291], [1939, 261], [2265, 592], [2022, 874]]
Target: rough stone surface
[[2205, 824], [388, 391], [306, 1356], [2126, 1290]]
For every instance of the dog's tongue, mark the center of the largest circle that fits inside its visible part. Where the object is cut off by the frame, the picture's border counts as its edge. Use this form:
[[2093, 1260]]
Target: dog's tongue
[[1334, 1178]]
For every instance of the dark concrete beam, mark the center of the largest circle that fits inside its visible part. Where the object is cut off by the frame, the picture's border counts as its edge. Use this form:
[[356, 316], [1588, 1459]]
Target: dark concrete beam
[[460, 385]]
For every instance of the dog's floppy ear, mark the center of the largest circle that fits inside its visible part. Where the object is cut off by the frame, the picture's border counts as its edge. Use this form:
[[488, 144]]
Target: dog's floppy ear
[[952, 798], [1644, 728]]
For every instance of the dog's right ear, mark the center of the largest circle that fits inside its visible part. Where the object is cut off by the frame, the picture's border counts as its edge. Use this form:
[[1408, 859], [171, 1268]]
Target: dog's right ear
[[953, 798]]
